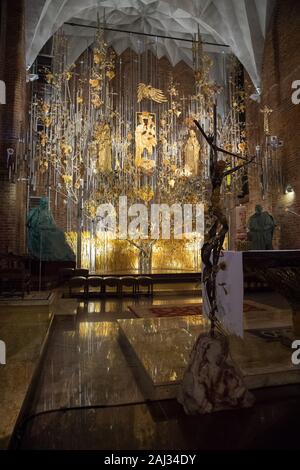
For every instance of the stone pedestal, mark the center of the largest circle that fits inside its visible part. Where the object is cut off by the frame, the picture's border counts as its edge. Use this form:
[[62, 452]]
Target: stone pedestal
[[212, 382]]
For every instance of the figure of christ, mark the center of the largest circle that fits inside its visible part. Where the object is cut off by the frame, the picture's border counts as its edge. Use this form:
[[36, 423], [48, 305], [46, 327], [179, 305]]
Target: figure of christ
[[213, 244], [211, 381]]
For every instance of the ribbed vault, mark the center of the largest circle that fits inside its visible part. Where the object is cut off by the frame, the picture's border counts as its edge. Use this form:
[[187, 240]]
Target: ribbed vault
[[240, 24]]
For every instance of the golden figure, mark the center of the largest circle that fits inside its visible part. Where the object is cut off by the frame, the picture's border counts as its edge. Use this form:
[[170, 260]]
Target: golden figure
[[150, 136], [192, 153], [139, 132], [103, 138], [150, 93], [145, 135]]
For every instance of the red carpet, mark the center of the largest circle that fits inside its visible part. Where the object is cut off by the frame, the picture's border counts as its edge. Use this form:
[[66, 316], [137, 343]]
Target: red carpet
[[179, 310]]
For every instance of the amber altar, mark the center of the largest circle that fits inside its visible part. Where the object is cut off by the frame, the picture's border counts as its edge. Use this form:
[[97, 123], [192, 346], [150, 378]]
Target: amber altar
[[110, 126]]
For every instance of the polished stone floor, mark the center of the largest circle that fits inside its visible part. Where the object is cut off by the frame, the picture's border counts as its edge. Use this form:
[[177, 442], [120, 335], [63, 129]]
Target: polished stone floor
[[24, 333], [88, 396], [162, 346]]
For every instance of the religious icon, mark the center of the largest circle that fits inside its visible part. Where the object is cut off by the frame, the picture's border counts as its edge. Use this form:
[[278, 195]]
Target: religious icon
[[145, 135], [191, 153]]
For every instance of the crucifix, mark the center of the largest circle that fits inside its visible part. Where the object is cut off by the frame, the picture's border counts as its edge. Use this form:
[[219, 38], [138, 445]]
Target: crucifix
[[205, 386], [214, 239], [266, 112]]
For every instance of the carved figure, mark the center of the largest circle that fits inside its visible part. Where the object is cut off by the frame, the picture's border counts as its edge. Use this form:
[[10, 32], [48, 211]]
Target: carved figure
[[191, 153]]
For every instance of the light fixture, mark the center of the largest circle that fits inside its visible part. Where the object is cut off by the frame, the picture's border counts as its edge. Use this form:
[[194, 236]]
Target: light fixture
[[31, 77], [255, 97]]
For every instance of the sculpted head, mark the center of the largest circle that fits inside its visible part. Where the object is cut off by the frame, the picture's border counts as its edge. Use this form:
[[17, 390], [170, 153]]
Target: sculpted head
[[258, 209], [43, 203]]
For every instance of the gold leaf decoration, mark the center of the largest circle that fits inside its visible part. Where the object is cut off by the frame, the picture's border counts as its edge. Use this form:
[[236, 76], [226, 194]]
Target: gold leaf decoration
[[67, 179], [110, 74], [146, 193], [150, 93]]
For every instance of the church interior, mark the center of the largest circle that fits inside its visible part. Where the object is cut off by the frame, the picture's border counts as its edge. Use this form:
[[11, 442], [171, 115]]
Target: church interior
[[150, 225]]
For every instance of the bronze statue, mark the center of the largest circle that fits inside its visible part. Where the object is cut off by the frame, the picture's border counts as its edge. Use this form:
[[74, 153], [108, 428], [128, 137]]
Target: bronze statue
[[261, 227], [211, 381], [214, 239], [45, 240]]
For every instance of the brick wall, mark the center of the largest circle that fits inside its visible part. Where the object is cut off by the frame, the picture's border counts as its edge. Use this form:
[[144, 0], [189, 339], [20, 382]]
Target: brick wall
[[12, 124], [281, 67]]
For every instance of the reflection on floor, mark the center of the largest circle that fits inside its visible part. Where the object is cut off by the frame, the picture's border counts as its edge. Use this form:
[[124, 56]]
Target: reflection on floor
[[86, 367], [161, 347]]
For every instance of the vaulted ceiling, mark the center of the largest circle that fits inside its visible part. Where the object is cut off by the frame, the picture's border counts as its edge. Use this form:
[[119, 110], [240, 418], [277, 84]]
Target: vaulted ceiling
[[240, 24]]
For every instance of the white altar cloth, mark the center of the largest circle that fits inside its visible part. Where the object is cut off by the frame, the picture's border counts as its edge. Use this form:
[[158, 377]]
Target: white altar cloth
[[229, 292]]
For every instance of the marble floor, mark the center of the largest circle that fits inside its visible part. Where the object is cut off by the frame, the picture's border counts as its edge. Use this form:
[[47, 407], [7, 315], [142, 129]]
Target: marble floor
[[88, 397], [24, 333], [161, 347]]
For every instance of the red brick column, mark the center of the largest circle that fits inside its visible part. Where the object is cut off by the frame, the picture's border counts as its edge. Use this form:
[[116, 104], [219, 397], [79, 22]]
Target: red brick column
[[281, 67], [12, 124]]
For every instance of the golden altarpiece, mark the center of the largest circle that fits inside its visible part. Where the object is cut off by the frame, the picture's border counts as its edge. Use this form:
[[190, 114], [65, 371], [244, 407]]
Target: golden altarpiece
[[111, 126]]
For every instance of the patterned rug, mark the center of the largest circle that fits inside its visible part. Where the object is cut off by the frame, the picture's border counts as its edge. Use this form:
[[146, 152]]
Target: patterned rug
[[181, 310]]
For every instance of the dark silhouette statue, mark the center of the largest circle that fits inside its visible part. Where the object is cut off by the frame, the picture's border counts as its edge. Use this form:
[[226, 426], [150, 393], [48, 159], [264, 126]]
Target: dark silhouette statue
[[45, 240], [261, 227]]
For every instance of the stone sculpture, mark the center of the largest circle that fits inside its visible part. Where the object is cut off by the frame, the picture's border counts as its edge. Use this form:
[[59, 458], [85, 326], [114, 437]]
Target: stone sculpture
[[211, 382]]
